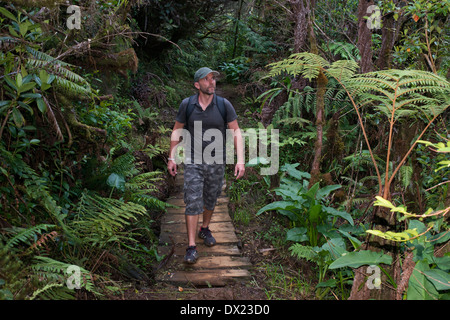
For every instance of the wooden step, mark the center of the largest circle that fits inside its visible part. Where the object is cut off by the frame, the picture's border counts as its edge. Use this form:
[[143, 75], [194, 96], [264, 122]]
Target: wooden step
[[180, 201], [217, 250], [211, 262], [181, 227], [181, 237], [199, 278], [180, 210], [181, 218]]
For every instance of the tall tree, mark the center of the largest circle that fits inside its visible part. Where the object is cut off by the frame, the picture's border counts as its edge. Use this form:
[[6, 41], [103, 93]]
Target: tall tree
[[364, 36], [304, 36], [392, 23], [302, 11]]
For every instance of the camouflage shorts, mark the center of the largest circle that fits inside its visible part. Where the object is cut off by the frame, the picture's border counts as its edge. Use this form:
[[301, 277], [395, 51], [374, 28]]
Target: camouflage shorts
[[202, 185]]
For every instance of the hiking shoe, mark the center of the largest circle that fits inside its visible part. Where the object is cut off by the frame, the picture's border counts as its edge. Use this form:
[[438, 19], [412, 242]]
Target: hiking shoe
[[191, 255], [205, 234]]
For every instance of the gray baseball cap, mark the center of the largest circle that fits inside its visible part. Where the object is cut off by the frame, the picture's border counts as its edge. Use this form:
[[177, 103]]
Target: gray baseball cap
[[203, 72]]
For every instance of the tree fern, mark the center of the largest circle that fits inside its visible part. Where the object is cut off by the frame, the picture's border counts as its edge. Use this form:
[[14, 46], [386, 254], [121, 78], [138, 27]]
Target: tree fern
[[309, 66], [396, 93], [295, 109], [304, 63], [400, 93], [345, 50]]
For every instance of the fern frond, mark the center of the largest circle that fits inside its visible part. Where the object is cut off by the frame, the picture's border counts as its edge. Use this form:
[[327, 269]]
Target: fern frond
[[342, 69], [25, 235], [139, 189], [395, 90], [304, 63], [102, 220], [66, 80], [406, 175], [346, 50], [149, 202], [362, 159], [304, 252], [53, 291], [123, 165], [54, 271]]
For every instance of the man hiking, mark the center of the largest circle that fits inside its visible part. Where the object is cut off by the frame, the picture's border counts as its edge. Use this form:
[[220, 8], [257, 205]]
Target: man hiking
[[202, 115]]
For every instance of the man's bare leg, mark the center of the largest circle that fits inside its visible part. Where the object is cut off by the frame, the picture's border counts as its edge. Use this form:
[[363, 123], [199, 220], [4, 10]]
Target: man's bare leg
[[191, 226], [207, 214]]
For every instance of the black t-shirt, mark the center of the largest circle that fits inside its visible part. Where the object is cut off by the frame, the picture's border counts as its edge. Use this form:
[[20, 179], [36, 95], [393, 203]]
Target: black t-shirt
[[212, 125]]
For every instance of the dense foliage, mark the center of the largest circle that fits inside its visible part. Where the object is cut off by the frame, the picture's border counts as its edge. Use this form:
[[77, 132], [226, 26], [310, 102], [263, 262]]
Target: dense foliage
[[86, 114]]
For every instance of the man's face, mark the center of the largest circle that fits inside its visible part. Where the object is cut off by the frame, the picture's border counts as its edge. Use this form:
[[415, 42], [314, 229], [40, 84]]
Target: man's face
[[207, 85]]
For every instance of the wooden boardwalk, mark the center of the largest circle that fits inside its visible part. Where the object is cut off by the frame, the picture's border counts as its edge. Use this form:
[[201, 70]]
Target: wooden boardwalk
[[219, 265]]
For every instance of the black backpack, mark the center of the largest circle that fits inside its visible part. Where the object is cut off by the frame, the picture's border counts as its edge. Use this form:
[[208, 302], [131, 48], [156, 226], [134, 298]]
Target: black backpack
[[219, 102]]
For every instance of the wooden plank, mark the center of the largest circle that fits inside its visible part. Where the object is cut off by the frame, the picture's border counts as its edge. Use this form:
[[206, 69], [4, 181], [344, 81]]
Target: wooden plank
[[218, 249], [181, 227], [180, 201], [220, 262], [181, 218], [220, 277], [221, 237], [181, 210], [210, 262]]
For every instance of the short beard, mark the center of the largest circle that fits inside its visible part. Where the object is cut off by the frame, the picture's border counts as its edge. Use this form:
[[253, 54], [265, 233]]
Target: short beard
[[207, 92]]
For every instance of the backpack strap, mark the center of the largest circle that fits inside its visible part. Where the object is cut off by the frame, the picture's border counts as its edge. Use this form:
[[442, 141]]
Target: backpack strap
[[220, 103], [189, 109]]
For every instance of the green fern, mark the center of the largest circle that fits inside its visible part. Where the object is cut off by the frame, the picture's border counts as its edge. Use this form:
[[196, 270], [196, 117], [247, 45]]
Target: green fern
[[100, 221], [14, 277], [406, 175], [53, 291], [362, 160], [401, 93], [123, 165], [346, 50], [304, 252], [34, 186], [309, 66], [395, 93], [140, 188], [25, 235], [294, 110], [69, 82], [54, 274]]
